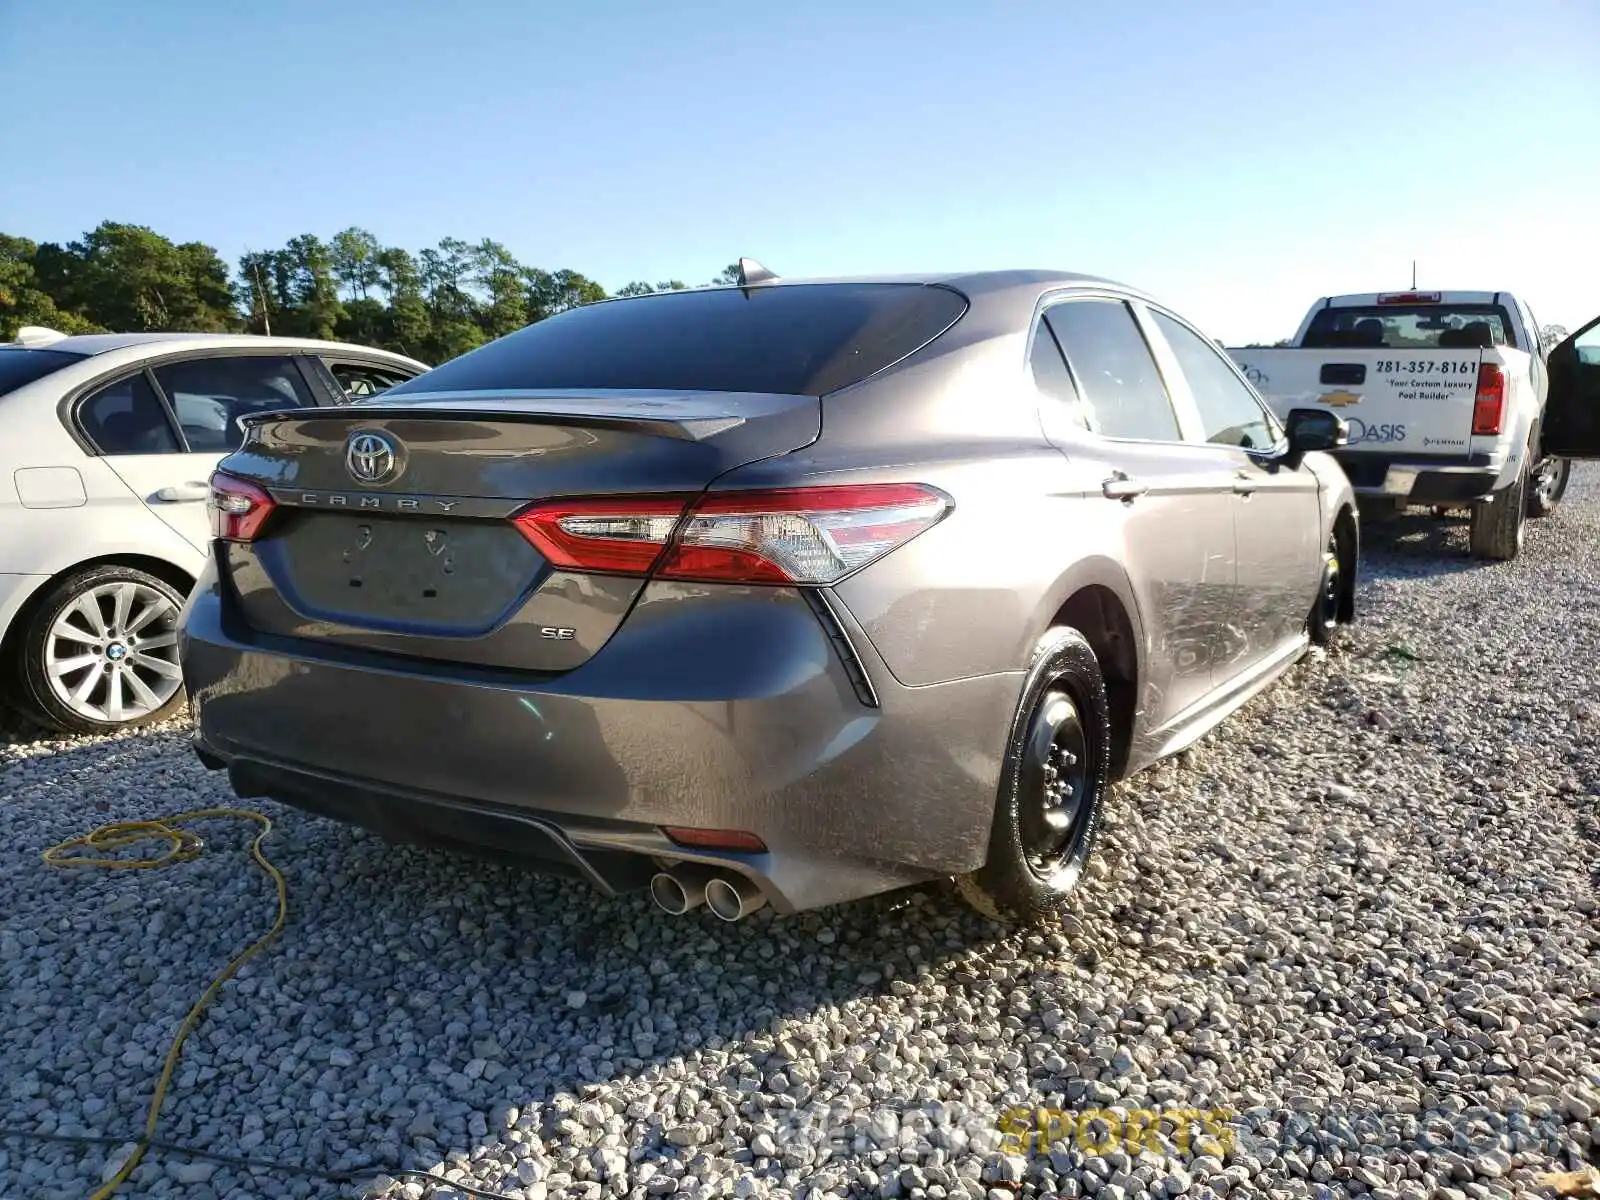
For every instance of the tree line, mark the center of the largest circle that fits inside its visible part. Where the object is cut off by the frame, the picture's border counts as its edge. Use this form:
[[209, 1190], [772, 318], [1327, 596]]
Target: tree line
[[432, 305]]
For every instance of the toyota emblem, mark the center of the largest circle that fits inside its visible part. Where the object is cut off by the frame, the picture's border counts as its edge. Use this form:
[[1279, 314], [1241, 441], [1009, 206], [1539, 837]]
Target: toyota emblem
[[371, 457]]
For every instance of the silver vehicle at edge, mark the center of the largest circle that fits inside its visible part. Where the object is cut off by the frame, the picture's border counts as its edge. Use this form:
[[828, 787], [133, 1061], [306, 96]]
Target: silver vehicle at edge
[[784, 593]]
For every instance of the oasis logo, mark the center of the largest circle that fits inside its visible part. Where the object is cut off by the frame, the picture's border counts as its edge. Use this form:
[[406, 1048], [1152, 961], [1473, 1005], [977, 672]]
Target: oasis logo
[[1361, 432]]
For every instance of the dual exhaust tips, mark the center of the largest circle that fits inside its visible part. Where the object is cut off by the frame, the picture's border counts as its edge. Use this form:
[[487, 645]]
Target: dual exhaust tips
[[679, 889]]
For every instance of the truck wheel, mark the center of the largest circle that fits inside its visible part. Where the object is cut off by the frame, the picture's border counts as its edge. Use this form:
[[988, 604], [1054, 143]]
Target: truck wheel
[[1548, 485], [1498, 525], [1052, 783]]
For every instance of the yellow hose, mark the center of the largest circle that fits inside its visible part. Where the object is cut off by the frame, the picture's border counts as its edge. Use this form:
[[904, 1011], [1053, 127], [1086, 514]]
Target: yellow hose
[[89, 850]]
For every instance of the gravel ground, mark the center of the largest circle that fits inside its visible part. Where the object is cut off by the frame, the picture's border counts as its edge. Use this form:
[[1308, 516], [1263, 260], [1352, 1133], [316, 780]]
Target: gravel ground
[[1360, 917]]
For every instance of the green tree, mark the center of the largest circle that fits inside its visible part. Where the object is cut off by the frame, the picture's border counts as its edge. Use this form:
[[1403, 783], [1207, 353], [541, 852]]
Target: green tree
[[355, 261], [641, 288], [22, 300], [552, 292], [317, 309], [498, 275], [401, 283], [128, 277], [729, 275]]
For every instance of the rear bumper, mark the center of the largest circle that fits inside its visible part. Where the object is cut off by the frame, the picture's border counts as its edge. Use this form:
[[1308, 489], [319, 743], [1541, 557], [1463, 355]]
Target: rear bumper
[[724, 709], [1422, 480]]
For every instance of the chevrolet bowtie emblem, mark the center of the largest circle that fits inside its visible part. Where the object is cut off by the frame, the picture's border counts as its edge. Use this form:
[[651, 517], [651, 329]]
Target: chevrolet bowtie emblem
[[1339, 399]]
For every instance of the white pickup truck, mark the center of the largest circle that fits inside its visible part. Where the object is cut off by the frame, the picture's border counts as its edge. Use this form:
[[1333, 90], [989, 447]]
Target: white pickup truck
[[1445, 395]]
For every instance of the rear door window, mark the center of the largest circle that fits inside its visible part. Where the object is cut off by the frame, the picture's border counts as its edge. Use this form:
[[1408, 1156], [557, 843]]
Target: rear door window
[[20, 366], [209, 395], [794, 339], [1117, 376], [126, 417]]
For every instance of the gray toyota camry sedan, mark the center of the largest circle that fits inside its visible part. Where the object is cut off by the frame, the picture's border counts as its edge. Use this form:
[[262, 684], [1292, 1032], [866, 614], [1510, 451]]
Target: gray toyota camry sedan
[[783, 593]]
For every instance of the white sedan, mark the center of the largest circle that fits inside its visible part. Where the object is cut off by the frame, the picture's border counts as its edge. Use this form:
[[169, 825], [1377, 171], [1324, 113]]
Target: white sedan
[[107, 442]]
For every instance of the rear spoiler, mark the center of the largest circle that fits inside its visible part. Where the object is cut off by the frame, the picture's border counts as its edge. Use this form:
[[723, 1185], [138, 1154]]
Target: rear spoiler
[[690, 427]]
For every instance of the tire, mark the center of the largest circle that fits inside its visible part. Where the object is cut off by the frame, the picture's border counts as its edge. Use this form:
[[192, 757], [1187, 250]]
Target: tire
[[127, 662], [1547, 485], [1052, 787], [1323, 621], [1498, 526]]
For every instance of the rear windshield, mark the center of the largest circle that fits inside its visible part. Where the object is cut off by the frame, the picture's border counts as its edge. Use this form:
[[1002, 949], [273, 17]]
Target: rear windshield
[[1421, 326], [798, 339], [19, 365]]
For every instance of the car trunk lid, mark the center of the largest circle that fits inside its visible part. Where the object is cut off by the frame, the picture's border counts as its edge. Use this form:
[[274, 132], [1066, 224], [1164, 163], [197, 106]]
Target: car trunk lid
[[391, 528]]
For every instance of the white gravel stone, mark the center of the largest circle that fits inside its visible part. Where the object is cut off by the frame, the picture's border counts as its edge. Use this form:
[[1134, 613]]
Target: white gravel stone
[[1360, 914]]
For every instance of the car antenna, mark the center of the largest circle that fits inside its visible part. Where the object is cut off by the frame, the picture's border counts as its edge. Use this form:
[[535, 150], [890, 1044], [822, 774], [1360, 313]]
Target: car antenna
[[750, 271], [1413, 274]]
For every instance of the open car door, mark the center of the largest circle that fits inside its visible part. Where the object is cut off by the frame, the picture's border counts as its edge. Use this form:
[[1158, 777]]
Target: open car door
[[1571, 425]]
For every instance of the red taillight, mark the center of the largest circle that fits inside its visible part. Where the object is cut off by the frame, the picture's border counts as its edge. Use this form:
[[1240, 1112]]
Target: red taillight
[[238, 509], [1410, 298], [715, 839], [613, 534], [1489, 405], [813, 535]]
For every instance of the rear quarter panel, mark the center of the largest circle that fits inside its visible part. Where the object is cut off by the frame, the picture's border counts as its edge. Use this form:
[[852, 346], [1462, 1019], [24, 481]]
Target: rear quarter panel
[[48, 524], [972, 595]]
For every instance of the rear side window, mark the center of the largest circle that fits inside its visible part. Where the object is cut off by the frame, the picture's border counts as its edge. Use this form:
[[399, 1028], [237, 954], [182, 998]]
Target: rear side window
[[209, 395], [20, 366], [1052, 378], [800, 339], [1115, 371], [125, 417], [358, 381], [1411, 327]]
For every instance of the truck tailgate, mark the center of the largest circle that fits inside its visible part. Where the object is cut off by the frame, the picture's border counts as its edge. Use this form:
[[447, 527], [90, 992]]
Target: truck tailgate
[[1414, 403]]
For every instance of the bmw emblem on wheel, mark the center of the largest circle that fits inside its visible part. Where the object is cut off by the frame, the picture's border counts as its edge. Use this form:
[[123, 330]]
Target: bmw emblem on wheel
[[372, 457]]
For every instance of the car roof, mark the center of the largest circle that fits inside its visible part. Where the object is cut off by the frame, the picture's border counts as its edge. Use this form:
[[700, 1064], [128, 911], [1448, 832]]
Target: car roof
[[104, 343], [1008, 297], [973, 283]]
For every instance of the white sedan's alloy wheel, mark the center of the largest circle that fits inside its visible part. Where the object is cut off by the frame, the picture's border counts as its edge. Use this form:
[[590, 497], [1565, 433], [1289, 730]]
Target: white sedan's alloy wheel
[[112, 655]]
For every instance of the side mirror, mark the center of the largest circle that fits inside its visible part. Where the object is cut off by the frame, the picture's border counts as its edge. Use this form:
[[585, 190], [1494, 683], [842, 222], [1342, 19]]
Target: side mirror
[[1311, 429]]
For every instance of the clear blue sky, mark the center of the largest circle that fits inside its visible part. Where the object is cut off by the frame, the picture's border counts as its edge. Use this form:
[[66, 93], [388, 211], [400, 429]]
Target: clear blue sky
[[1237, 158]]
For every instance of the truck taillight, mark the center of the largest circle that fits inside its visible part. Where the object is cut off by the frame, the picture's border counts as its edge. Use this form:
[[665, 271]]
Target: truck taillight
[[1489, 406], [808, 535], [238, 509]]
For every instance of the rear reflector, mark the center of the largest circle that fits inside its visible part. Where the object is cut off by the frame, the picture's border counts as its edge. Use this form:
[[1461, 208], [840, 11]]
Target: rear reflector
[[1410, 298], [238, 509], [790, 536], [1489, 405], [715, 839]]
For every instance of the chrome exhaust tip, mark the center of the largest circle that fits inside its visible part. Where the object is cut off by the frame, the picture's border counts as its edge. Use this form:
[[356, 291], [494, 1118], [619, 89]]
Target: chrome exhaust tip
[[733, 897], [680, 889]]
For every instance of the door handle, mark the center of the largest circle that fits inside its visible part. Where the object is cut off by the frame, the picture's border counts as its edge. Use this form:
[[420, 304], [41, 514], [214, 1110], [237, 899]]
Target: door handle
[[1122, 487], [1244, 481], [178, 492]]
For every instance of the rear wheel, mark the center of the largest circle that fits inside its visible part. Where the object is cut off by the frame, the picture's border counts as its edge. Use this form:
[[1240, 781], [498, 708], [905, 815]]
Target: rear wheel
[[1498, 526], [1324, 620], [100, 651], [1052, 785], [1547, 485]]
